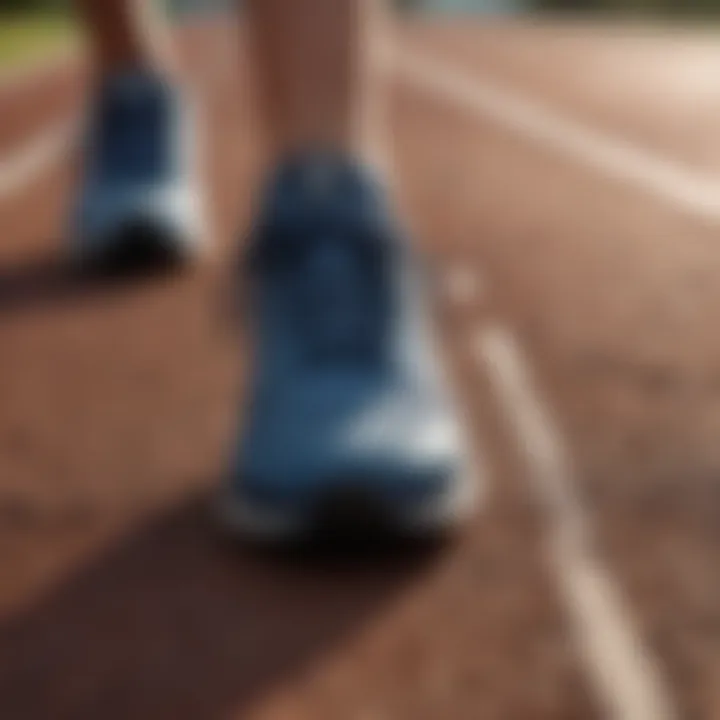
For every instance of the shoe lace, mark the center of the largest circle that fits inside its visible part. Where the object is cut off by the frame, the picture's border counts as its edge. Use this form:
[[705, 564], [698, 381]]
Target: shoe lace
[[334, 284]]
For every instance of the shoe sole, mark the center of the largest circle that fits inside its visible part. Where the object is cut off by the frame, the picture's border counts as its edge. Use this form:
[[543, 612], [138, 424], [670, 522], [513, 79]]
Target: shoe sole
[[350, 515], [139, 248]]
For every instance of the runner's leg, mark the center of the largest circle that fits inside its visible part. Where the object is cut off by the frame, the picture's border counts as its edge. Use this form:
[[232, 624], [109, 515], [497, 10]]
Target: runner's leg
[[125, 35], [319, 74]]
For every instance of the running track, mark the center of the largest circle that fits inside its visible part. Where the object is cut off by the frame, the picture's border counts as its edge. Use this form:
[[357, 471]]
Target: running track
[[564, 181]]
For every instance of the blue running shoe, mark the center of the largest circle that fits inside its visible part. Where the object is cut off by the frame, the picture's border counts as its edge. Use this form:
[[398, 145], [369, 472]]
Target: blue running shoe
[[140, 202], [349, 426]]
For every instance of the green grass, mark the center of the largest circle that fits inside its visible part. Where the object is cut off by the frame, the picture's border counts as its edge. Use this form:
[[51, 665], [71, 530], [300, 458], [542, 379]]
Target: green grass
[[27, 38]]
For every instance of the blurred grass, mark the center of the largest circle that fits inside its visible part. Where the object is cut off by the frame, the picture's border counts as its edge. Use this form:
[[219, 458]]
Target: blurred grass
[[25, 37], [30, 29]]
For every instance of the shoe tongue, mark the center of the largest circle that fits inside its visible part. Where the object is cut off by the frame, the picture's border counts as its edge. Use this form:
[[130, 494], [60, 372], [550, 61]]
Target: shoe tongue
[[320, 193], [320, 180]]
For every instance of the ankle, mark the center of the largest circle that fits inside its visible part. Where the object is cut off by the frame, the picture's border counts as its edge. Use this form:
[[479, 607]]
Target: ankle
[[152, 56]]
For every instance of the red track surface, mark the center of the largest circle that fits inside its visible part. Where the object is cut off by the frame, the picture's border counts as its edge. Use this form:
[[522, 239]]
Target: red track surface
[[117, 600]]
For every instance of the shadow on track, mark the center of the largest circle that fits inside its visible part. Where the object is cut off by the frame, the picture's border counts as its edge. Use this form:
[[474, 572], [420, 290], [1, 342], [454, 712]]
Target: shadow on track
[[175, 623], [49, 281]]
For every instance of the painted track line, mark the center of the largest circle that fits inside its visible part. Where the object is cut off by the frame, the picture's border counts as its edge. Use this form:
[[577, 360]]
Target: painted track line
[[33, 158], [612, 157], [462, 285], [625, 678]]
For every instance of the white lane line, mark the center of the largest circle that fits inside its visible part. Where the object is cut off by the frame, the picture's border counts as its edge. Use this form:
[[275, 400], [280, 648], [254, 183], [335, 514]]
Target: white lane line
[[34, 157], [462, 285], [618, 159], [626, 679]]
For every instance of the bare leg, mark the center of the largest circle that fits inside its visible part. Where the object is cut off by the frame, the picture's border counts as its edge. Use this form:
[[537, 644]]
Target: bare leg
[[125, 35], [317, 68]]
